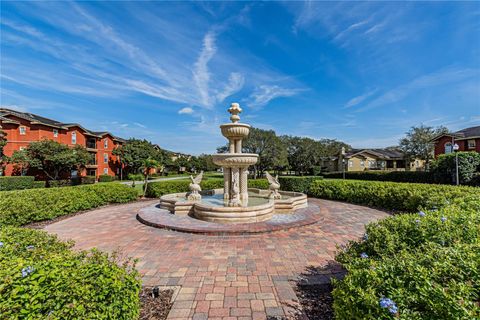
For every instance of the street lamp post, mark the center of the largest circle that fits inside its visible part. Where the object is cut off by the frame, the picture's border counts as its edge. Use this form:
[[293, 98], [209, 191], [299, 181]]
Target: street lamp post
[[455, 149], [343, 162]]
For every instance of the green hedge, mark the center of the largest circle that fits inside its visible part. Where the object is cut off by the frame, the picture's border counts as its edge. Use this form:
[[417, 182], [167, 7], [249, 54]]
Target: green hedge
[[19, 183], [25, 206], [43, 279], [390, 195], [425, 262], [393, 176], [106, 178], [158, 189], [298, 184]]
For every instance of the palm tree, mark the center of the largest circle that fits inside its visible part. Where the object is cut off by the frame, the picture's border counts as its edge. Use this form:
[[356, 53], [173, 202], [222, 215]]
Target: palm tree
[[147, 165]]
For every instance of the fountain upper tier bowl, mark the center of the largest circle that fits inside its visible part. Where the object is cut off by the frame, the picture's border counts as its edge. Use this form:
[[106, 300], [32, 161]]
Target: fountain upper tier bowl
[[235, 130], [235, 159]]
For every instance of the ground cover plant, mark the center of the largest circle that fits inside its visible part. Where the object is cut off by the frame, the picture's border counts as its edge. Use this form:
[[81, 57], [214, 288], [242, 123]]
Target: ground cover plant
[[43, 279], [20, 207], [421, 264]]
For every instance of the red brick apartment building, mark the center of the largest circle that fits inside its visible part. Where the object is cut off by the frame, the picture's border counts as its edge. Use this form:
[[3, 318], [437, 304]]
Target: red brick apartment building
[[467, 139], [22, 128]]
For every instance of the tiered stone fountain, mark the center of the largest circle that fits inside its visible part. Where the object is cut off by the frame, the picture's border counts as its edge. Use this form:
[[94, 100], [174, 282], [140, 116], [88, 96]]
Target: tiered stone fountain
[[235, 203], [235, 163]]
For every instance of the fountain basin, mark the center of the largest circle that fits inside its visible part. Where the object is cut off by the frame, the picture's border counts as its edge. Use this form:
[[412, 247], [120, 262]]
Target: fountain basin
[[235, 159], [212, 206]]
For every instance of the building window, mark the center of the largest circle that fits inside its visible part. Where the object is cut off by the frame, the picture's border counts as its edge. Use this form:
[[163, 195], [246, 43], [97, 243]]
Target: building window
[[471, 144], [105, 158], [74, 138], [23, 148], [23, 130], [362, 163], [55, 133], [350, 163], [371, 163], [448, 147], [105, 171], [105, 143], [74, 173]]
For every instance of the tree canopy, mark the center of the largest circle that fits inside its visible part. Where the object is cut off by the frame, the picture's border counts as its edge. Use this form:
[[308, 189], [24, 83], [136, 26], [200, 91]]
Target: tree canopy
[[417, 143], [135, 152], [50, 157]]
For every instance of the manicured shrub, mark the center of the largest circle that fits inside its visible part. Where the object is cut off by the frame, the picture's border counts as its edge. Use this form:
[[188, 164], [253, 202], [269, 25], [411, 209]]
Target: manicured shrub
[[59, 183], [418, 265], [258, 183], [43, 279], [88, 180], [106, 178], [135, 177], [38, 184], [407, 197], [468, 167], [393, 176], [297, 184], [17, 183], [25, 206]]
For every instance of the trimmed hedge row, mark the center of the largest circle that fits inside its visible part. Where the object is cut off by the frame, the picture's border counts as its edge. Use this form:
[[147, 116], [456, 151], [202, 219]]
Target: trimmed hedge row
[[393, 176], [24, 206], [19, 183], [158, 189], [414, 265], [106, 178], [43, 279], [297, 184], [390, 195]]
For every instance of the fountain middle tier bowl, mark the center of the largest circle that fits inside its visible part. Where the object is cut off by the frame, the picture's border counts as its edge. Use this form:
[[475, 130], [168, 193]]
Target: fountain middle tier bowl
[[229, 160]]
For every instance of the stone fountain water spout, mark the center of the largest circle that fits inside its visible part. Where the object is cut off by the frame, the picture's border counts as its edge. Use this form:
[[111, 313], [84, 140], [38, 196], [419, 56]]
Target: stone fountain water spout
[[195, 188]]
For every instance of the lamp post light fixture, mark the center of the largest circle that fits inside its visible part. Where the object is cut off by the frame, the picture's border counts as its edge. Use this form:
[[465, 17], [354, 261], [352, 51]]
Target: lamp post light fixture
[[343, 162], [455, 149]]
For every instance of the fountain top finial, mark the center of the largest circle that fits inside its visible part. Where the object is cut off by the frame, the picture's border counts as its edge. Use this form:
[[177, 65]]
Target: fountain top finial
[[234, 111]]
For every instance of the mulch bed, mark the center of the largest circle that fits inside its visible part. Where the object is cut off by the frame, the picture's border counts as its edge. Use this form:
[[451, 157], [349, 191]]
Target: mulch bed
[[155, 306], [316, 301]]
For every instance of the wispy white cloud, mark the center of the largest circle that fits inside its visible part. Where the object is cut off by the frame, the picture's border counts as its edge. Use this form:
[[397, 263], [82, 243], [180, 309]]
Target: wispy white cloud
[[265, 93], [201, 74], [425, 82], [186, 110], [359, 99], [235, 84]]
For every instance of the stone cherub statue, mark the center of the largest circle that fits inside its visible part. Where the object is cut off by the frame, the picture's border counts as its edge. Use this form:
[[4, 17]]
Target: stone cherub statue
[[274, 186], [195, 188]]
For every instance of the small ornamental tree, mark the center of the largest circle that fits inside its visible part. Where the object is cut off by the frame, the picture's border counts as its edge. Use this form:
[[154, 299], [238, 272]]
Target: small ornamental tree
[[147, 166], [53, 158], [20, 161], [468, 167], [135, 152]]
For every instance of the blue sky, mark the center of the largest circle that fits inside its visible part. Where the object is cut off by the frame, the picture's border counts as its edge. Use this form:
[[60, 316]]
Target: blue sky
[[360, 72]]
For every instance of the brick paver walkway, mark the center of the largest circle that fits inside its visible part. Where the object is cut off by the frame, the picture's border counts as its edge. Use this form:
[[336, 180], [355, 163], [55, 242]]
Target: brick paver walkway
[[220, 277]]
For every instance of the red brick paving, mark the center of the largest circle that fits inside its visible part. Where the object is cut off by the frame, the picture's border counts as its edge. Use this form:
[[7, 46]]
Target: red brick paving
[[220, 277]]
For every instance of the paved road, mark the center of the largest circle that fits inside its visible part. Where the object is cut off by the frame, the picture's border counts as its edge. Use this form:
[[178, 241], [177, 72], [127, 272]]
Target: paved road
[[223, 277]]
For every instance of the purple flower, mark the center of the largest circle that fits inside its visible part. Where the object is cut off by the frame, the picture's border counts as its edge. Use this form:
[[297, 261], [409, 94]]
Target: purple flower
[[393, 309], [443, 219], [26, 271], [422, 214], [363, 255], [1, 244], [386, 302], [30, 247], [417, 221]]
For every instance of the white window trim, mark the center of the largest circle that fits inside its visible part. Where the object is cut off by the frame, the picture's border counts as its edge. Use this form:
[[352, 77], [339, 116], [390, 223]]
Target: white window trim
[[105, 158], [74, 138], [105, 170], [55, 133], [473, 145], [22, 130], [105, 143], [450, 148]]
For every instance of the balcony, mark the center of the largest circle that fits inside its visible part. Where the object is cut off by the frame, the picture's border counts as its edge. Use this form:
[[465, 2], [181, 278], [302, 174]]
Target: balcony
[[91, 145], [92, 163]]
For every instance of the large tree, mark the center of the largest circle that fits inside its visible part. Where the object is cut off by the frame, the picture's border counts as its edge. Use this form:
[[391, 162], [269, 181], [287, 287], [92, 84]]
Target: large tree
[[417, 143], [272, 153], [135, 152], [3, 142], [52, 158]]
